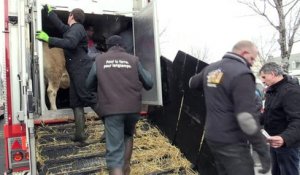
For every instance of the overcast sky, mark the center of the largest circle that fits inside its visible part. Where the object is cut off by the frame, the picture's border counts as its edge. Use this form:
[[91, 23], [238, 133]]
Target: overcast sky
[[213, 24]]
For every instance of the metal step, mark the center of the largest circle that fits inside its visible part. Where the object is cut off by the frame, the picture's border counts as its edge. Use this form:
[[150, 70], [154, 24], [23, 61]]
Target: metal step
[[87, 165]]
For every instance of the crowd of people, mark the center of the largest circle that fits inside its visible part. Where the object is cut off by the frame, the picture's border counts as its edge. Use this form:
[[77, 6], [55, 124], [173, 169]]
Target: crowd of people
[[235, 118], [111, 84]]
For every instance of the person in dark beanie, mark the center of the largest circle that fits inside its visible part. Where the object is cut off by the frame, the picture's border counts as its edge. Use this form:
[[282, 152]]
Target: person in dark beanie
[[231, 117], [282, 118], [118, 78], [78, 64]]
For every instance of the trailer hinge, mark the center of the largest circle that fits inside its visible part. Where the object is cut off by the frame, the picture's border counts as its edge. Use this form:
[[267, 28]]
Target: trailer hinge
[[31, 104], [21, 116], [28, 18], [13, 19]]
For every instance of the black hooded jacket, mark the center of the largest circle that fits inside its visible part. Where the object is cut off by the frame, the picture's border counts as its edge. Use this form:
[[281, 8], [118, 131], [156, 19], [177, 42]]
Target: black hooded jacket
[[231, 96], [74, 44], [282, 111]]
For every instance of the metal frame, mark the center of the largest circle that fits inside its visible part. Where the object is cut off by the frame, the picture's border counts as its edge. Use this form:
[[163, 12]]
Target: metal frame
[[145, 34]]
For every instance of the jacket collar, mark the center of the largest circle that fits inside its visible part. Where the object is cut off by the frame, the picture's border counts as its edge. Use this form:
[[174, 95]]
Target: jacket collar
[[116, 48], [275, 86], [234, 56]]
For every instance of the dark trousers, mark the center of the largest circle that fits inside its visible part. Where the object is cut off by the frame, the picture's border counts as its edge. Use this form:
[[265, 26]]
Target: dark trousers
[[118, 128], [79, 94], [285, 161], [232, 159]]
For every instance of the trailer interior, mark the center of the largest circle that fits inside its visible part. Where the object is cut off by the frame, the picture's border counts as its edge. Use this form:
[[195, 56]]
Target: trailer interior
[[104, 25]]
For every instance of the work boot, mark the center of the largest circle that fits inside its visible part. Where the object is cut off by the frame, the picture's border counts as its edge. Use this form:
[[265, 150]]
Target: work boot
[[79, 135], [102, 138], [127, 155], [96, 110], [116, 171]]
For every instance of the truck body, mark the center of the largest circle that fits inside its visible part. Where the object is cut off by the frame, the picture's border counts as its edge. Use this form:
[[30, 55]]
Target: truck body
[[23, 79]]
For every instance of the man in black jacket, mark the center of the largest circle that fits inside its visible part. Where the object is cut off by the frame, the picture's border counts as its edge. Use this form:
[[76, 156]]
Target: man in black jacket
[[282, 119], [118, 78], [78, 64], [231, 120]]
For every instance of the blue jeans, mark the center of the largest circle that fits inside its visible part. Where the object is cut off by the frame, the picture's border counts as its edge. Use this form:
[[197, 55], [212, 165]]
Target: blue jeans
[[232, 159], [118, 128], [299, 159], [285, 161]]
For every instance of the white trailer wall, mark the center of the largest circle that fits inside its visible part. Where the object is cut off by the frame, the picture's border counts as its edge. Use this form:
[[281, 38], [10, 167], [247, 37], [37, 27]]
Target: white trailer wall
[[92, 6]]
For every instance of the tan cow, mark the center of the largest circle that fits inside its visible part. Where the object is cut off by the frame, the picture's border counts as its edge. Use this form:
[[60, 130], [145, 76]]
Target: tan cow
[[55, 73]]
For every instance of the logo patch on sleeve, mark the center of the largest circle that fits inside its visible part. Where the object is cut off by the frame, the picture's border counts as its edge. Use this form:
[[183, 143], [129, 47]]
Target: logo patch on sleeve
[[214, 78]]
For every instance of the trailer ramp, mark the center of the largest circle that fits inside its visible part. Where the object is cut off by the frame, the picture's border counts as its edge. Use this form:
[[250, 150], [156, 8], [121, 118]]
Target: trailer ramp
[[58, 154]]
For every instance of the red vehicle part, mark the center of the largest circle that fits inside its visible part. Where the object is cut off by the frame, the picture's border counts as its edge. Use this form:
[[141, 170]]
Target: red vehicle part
[[16, 151]]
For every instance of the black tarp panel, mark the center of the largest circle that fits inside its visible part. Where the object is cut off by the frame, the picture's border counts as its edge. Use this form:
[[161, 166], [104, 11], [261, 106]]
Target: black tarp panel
[[182, 116], [192, 111], [205, 162], [166, 117]]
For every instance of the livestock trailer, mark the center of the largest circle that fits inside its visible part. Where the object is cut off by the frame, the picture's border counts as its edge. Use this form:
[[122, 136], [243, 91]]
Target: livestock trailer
[[177, 111]]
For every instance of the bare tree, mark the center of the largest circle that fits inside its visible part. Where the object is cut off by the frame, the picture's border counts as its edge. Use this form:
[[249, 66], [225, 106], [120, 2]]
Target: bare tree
[[286, 22], [266, 48], [201, 54]]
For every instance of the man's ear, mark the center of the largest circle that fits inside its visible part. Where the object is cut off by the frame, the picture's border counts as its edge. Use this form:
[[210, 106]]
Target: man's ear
[[273, 74], [243, 53]]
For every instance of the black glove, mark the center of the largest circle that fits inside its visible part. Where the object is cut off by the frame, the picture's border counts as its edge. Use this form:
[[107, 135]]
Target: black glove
[[46, 9], [260, 146]]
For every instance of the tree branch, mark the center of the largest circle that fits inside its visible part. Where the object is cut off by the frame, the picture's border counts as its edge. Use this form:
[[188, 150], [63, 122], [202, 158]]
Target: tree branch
[[292, 7], [260, 12]]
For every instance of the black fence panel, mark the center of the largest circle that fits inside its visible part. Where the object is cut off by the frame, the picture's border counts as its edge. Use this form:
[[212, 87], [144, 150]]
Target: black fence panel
[[192, 111], [205, 164], [182, 116], [166, 117]]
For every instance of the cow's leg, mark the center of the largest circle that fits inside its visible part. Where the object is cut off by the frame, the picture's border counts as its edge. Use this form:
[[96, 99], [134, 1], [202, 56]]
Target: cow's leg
[[52, 93], [64, 80]]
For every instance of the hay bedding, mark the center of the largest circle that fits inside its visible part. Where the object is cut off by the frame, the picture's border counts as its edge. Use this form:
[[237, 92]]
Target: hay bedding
[[152, 152]]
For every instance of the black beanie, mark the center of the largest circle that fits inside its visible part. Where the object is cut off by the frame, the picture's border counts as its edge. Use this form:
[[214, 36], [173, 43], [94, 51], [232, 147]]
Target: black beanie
[[114, 40]]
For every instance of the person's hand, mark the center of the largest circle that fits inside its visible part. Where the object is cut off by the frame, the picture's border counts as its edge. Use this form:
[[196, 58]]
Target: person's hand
[[276, 141], [47, 8], [42, 36]]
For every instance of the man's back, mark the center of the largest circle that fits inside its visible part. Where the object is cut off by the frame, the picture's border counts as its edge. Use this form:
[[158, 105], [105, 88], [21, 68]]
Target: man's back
[[118, 82], [221, 122]]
